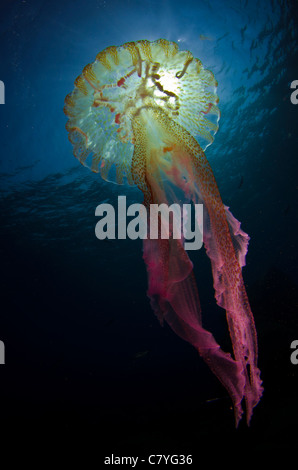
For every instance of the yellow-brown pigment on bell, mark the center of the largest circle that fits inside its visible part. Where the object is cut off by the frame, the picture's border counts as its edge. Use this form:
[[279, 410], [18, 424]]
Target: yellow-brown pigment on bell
[[120, 87]]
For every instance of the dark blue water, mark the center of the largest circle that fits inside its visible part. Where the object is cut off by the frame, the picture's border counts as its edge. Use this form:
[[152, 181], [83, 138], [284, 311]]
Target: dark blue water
[[84, 352]]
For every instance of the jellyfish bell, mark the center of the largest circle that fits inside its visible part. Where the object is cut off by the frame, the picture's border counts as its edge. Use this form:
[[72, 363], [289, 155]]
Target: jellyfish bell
[[143, 114], [137, 81]]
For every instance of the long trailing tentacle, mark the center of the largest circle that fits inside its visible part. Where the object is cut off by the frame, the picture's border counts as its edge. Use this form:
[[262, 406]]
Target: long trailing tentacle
[[172, 288]]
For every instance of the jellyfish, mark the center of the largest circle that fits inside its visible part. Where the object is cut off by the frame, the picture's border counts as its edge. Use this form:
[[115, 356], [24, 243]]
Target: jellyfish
[[143, 114]]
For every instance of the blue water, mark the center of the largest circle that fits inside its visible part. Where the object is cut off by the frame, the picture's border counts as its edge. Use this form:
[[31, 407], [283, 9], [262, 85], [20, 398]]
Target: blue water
[[75, 315]]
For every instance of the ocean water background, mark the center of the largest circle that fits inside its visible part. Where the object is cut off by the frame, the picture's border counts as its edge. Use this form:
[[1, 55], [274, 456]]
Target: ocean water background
[[84, 351]]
